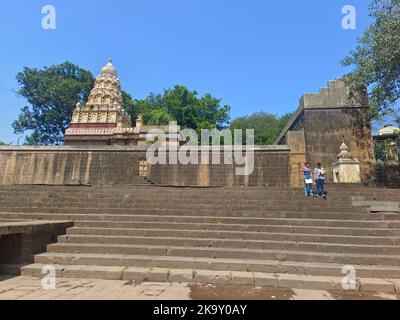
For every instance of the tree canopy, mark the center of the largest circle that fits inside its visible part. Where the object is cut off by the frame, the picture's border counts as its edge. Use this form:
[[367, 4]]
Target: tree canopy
[[182, 105], [267, 127], [376, 59], [2, 143], [52, 93]]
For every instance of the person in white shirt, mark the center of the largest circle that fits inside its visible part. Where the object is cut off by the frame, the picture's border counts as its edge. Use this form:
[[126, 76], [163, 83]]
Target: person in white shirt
[[319, 175]]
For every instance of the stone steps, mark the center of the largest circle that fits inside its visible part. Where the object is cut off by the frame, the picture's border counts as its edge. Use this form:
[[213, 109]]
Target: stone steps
[[135, 200], [270, 213], [178, 209], [249, 265], [235, 235], [144, 194], [227, 253], [187, 193], [314, 205], [205, 219], [232, 244], [214, 277], [274, 237], [238, 228]]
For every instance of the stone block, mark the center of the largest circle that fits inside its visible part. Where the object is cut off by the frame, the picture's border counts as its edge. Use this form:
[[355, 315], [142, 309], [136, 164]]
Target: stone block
[[182, 275], [136, 274], [266, 279], [376, 285]]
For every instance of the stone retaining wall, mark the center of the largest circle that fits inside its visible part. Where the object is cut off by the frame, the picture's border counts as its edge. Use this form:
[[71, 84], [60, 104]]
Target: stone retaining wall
[[120, 165]]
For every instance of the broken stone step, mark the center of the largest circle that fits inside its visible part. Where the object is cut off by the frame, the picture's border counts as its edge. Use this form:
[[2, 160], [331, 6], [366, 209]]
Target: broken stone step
[[139, 275]]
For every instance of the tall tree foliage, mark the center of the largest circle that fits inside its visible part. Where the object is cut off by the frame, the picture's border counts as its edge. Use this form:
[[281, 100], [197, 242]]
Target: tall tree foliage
[[185, 107], [52, 93], [376, 59], [267, 127]]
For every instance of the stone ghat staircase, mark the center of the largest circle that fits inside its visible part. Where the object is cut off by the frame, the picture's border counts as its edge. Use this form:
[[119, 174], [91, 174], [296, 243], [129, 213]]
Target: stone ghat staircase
[[264, 237]]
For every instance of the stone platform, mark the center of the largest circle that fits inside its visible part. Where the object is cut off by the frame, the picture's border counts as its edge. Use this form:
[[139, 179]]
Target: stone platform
[[267, 237]]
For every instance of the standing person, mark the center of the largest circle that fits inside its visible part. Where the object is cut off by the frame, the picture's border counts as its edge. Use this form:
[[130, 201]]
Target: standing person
[[308, 181], [319, 174]]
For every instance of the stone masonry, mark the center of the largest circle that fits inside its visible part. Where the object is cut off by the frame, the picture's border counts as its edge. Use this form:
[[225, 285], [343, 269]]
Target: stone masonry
[[327, 119]]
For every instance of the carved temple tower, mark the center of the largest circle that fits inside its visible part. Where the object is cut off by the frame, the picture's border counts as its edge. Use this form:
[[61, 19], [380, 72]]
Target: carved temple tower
[[103, 119]]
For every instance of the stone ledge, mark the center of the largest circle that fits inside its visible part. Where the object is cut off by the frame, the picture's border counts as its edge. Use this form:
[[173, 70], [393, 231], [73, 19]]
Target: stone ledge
[[266, 148], [7, 228]]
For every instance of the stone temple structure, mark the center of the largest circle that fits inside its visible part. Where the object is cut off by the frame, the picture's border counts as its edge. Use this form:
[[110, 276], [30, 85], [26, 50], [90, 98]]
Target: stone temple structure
[[94, 209], [103, 119], [102, 147]]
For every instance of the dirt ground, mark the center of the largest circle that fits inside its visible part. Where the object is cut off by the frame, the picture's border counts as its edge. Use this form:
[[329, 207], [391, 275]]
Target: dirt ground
[[227, 292]]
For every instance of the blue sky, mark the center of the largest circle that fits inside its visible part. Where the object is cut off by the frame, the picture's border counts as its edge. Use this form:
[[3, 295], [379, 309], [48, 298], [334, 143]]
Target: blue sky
[[256, 55]]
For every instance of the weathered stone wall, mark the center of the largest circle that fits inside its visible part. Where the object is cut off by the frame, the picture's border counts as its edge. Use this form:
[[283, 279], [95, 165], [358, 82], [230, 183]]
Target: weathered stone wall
[[69, 166], [325, 130], [120, 165], [327, 118], [271, 169]]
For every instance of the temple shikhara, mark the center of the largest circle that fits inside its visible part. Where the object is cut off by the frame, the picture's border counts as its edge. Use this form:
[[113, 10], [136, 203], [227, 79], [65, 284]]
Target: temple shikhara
[[103, 119]]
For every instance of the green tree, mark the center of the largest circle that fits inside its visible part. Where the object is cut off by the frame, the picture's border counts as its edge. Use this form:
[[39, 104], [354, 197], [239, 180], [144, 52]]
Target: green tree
[[52, 93], [151, 109], [267, 127], [376, 59], [185, 107], [2, 143]]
